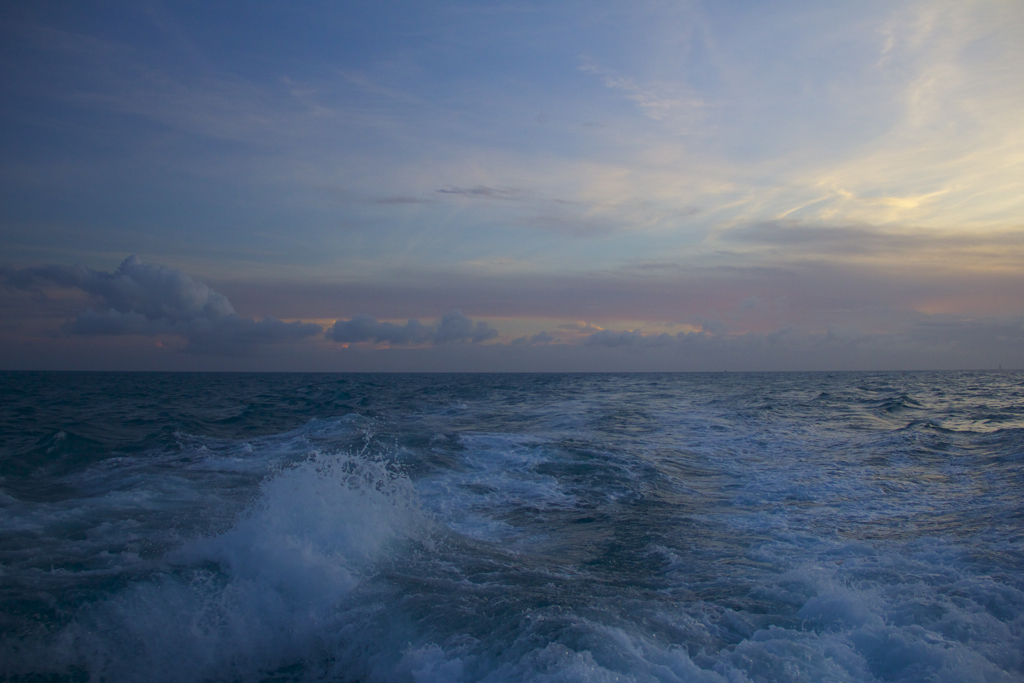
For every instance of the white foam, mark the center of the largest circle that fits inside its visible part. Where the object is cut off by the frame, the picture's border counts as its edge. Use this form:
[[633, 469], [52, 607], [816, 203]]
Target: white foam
[[314, 527], [497, 474], [885, 615], [259, 595], [847, 629]]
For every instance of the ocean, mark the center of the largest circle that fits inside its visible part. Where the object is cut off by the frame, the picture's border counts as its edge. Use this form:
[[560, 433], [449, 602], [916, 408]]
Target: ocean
[[421, 528]]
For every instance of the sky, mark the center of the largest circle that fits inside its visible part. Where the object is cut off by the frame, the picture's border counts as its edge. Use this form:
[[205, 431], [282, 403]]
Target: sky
[[512, 186]]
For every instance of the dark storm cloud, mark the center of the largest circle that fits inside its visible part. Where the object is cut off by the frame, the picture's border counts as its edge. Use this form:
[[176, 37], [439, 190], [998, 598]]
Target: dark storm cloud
[[144, 299], [453, 327]]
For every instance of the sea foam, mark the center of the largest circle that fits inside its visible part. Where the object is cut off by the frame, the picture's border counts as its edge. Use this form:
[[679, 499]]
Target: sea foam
[[258, 596]]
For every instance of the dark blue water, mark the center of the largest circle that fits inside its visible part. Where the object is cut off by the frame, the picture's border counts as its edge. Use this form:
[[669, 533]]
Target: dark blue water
[[419, 528]]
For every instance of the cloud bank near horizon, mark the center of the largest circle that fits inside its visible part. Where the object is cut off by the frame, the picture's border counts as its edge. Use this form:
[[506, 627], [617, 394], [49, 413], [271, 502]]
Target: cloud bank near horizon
[[452, 327], [145, 300]]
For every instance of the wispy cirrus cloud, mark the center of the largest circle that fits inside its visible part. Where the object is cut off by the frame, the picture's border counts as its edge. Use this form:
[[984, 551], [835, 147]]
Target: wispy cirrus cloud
[[670, 102], [956, 249]]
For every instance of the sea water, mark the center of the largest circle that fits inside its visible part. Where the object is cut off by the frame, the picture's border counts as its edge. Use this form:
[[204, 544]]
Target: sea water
[[556, 527]]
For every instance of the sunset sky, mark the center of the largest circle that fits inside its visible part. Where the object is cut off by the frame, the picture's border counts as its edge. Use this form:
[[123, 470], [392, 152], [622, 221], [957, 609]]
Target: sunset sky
[[557, 185]]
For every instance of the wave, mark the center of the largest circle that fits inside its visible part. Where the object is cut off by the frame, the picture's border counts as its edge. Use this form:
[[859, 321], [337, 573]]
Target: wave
[[259, 596], [577, 537]]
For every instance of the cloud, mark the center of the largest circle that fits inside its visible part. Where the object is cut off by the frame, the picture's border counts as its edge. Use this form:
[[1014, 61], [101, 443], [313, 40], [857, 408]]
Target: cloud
[[923, 342], [453, 327], [539, 339], [633, 338], [672, 102], [399, 200], [799, 240], [145, 299], [160, 295], [485, 192], [580, 326], [362, 328]]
